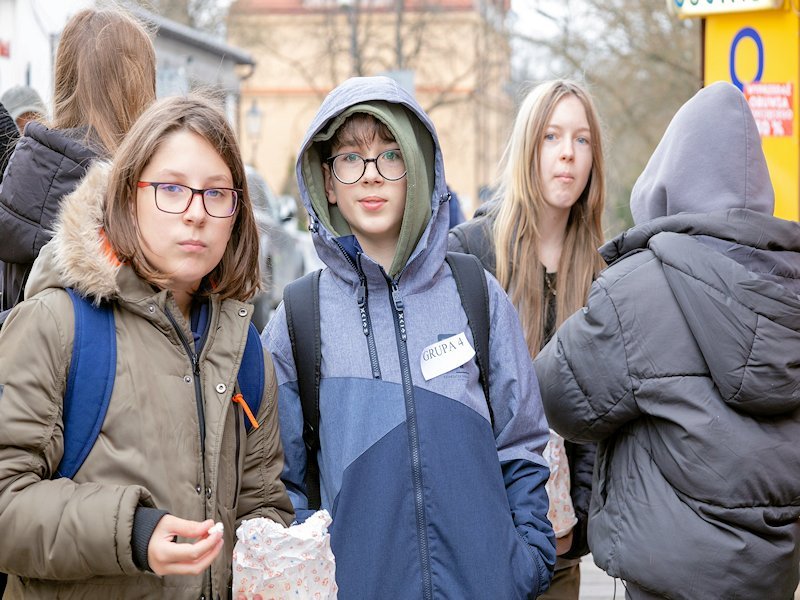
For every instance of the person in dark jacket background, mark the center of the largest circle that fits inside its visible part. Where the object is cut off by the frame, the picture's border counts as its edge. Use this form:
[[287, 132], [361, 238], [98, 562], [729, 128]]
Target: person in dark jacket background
[[104, 79], [544, 228], [23, 104], [685, 367], [8, 137]]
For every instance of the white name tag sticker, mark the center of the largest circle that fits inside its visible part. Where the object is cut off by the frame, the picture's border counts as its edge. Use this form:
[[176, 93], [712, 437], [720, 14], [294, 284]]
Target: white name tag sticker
[[445, 355]]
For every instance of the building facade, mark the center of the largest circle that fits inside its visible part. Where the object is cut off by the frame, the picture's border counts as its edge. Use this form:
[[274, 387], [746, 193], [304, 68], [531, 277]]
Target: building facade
[[186, 59], [453, 55]]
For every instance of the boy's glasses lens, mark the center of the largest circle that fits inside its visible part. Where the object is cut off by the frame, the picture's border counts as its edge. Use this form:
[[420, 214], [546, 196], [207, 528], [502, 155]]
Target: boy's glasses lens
[[349, 167]]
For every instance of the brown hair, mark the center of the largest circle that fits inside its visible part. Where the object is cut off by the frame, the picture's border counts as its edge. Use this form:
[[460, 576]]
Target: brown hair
[[516, 234], [237, 274], [105, 75], [359, 129]]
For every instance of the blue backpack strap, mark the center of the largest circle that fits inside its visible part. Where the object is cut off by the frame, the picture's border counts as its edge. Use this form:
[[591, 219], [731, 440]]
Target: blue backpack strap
[[90, 381], [251, 373]]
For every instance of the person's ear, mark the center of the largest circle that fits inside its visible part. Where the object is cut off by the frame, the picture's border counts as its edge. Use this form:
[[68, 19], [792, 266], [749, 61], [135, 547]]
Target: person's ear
[[330, 192]]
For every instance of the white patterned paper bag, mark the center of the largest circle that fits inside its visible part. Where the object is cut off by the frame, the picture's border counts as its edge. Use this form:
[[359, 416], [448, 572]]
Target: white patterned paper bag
[[277, 563]]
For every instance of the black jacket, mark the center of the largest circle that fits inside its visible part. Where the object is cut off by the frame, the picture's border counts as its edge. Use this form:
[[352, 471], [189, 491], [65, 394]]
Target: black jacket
[[46, 165], [8, 137], [475, 237]]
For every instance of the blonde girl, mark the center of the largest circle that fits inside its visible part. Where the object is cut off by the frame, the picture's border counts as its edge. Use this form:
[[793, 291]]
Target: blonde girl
[[105, 76], [540, 237]]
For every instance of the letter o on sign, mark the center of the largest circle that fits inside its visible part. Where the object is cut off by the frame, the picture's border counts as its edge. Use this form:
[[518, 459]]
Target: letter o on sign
[[747, 32]]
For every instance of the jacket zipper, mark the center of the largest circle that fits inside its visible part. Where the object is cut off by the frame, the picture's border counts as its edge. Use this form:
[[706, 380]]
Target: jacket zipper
[[238, 424], [198, 391], [366, 322], [413, 437], [198, 396], [363, 308]]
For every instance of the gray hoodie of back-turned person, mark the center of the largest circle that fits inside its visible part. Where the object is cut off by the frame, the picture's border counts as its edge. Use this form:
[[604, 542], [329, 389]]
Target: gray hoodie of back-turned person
[[685, 367]]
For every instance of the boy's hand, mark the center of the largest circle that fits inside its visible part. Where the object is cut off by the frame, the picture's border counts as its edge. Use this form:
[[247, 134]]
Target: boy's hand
[[563, 544], [167, 557]]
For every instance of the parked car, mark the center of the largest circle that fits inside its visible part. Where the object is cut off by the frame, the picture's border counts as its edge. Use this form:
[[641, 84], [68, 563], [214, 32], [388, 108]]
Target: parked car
[[283, 247]]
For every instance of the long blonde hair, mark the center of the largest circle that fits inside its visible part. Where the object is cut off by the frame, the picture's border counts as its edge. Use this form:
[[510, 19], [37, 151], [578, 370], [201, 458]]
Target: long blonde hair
[[105, 75], [520, 209]]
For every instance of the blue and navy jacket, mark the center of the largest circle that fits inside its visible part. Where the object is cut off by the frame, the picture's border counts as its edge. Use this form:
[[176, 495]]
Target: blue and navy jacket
[[428, 499]]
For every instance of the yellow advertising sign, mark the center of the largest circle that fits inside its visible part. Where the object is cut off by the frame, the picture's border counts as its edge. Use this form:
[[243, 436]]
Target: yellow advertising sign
[[702, 8], [759, 52]]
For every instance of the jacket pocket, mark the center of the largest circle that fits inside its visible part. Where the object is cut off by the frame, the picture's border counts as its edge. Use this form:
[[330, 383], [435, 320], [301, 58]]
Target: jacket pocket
[[605, 455]]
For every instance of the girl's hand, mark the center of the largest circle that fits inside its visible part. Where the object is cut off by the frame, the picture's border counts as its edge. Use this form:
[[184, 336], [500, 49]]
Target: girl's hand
[[167, 557]]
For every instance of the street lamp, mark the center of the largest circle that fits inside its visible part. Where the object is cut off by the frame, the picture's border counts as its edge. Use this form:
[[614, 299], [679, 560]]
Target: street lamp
[[253, 126], [350, 9]]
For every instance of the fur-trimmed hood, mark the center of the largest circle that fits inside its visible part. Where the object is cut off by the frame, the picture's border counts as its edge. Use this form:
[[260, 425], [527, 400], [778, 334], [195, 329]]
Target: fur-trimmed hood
[[78, 256]]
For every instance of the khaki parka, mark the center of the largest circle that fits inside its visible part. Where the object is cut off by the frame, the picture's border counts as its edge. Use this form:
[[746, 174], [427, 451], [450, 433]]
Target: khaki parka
[[66, 538]]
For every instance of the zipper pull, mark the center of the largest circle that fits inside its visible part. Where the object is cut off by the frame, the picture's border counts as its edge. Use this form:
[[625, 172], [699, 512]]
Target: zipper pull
[[362, 294], [398, 301], [195, 364], [362, 308], [398, 305]]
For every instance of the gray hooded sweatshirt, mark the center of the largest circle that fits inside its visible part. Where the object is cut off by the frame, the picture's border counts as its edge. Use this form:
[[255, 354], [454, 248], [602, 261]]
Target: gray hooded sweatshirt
[[685, 367]]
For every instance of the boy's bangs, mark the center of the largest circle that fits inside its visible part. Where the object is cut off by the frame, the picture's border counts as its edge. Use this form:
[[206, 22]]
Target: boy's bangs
[[361, 129]]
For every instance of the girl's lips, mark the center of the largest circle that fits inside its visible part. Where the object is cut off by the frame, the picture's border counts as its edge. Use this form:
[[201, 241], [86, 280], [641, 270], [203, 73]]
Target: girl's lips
[[192, 245]]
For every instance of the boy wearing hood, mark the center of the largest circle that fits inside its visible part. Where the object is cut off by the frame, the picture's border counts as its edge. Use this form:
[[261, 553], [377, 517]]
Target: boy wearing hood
[[430, 497], [685, 368]]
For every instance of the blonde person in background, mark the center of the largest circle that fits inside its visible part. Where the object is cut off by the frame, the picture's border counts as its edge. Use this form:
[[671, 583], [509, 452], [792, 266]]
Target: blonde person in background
[[105, 76], [540, 237]]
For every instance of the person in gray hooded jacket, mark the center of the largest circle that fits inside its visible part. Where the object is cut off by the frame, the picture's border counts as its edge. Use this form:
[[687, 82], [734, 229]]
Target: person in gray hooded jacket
[[685, 367]]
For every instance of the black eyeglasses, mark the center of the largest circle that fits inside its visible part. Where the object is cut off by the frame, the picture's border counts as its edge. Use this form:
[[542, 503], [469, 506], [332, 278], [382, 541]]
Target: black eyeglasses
[[349, 167], [174, 198]]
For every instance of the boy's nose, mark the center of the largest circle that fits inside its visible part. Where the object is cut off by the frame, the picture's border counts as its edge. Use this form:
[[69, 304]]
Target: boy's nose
[[371, 172]]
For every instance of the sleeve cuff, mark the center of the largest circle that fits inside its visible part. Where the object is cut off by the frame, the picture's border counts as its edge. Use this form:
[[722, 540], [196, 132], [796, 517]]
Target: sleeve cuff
[[144, 523]]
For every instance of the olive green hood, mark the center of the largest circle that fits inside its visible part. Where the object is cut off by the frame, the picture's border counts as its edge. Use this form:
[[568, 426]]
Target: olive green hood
[[419, 153]]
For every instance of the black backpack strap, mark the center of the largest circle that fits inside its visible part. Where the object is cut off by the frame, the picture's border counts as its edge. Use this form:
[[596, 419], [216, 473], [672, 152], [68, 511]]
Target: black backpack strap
[[471, 283], [301, 303]]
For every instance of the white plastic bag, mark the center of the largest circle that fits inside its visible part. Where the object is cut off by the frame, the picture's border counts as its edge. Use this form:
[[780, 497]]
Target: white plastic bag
[[276, 563]]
